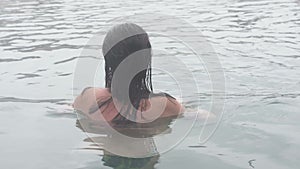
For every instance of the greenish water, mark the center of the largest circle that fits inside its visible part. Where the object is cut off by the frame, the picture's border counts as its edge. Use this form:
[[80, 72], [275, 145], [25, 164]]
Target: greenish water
[[256, 41]]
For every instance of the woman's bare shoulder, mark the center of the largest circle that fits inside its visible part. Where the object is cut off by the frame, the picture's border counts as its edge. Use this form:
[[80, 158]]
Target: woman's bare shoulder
[[95, 92], [89, 96], [173, 107], [162, 106]]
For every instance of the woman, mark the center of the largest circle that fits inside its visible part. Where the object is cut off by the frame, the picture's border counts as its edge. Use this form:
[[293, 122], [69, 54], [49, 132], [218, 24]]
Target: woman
[[127, 44]]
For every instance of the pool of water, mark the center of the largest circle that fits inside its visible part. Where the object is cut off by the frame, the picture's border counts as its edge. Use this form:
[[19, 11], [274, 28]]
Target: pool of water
[[256, 41]]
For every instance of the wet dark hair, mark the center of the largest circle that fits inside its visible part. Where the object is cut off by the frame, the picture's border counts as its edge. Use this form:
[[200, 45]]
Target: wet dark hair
[[121, 41], [116, 49]]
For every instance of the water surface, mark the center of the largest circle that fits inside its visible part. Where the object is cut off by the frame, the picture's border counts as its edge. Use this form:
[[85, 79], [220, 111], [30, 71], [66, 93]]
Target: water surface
[[256, 41]]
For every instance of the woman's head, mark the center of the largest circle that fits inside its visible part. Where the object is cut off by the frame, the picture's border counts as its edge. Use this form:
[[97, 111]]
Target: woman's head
[[120, 43]]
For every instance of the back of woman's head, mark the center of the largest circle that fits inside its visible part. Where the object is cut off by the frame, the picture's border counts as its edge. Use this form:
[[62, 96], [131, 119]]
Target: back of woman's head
[[121, 42]]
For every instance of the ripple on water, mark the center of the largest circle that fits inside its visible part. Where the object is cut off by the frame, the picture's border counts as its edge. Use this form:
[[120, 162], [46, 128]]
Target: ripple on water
[[19, 59], [16, 100], [27, 75]]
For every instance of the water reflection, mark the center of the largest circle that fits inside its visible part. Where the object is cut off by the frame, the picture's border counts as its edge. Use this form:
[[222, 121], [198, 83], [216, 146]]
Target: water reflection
[[118, 162], [103, 139]]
